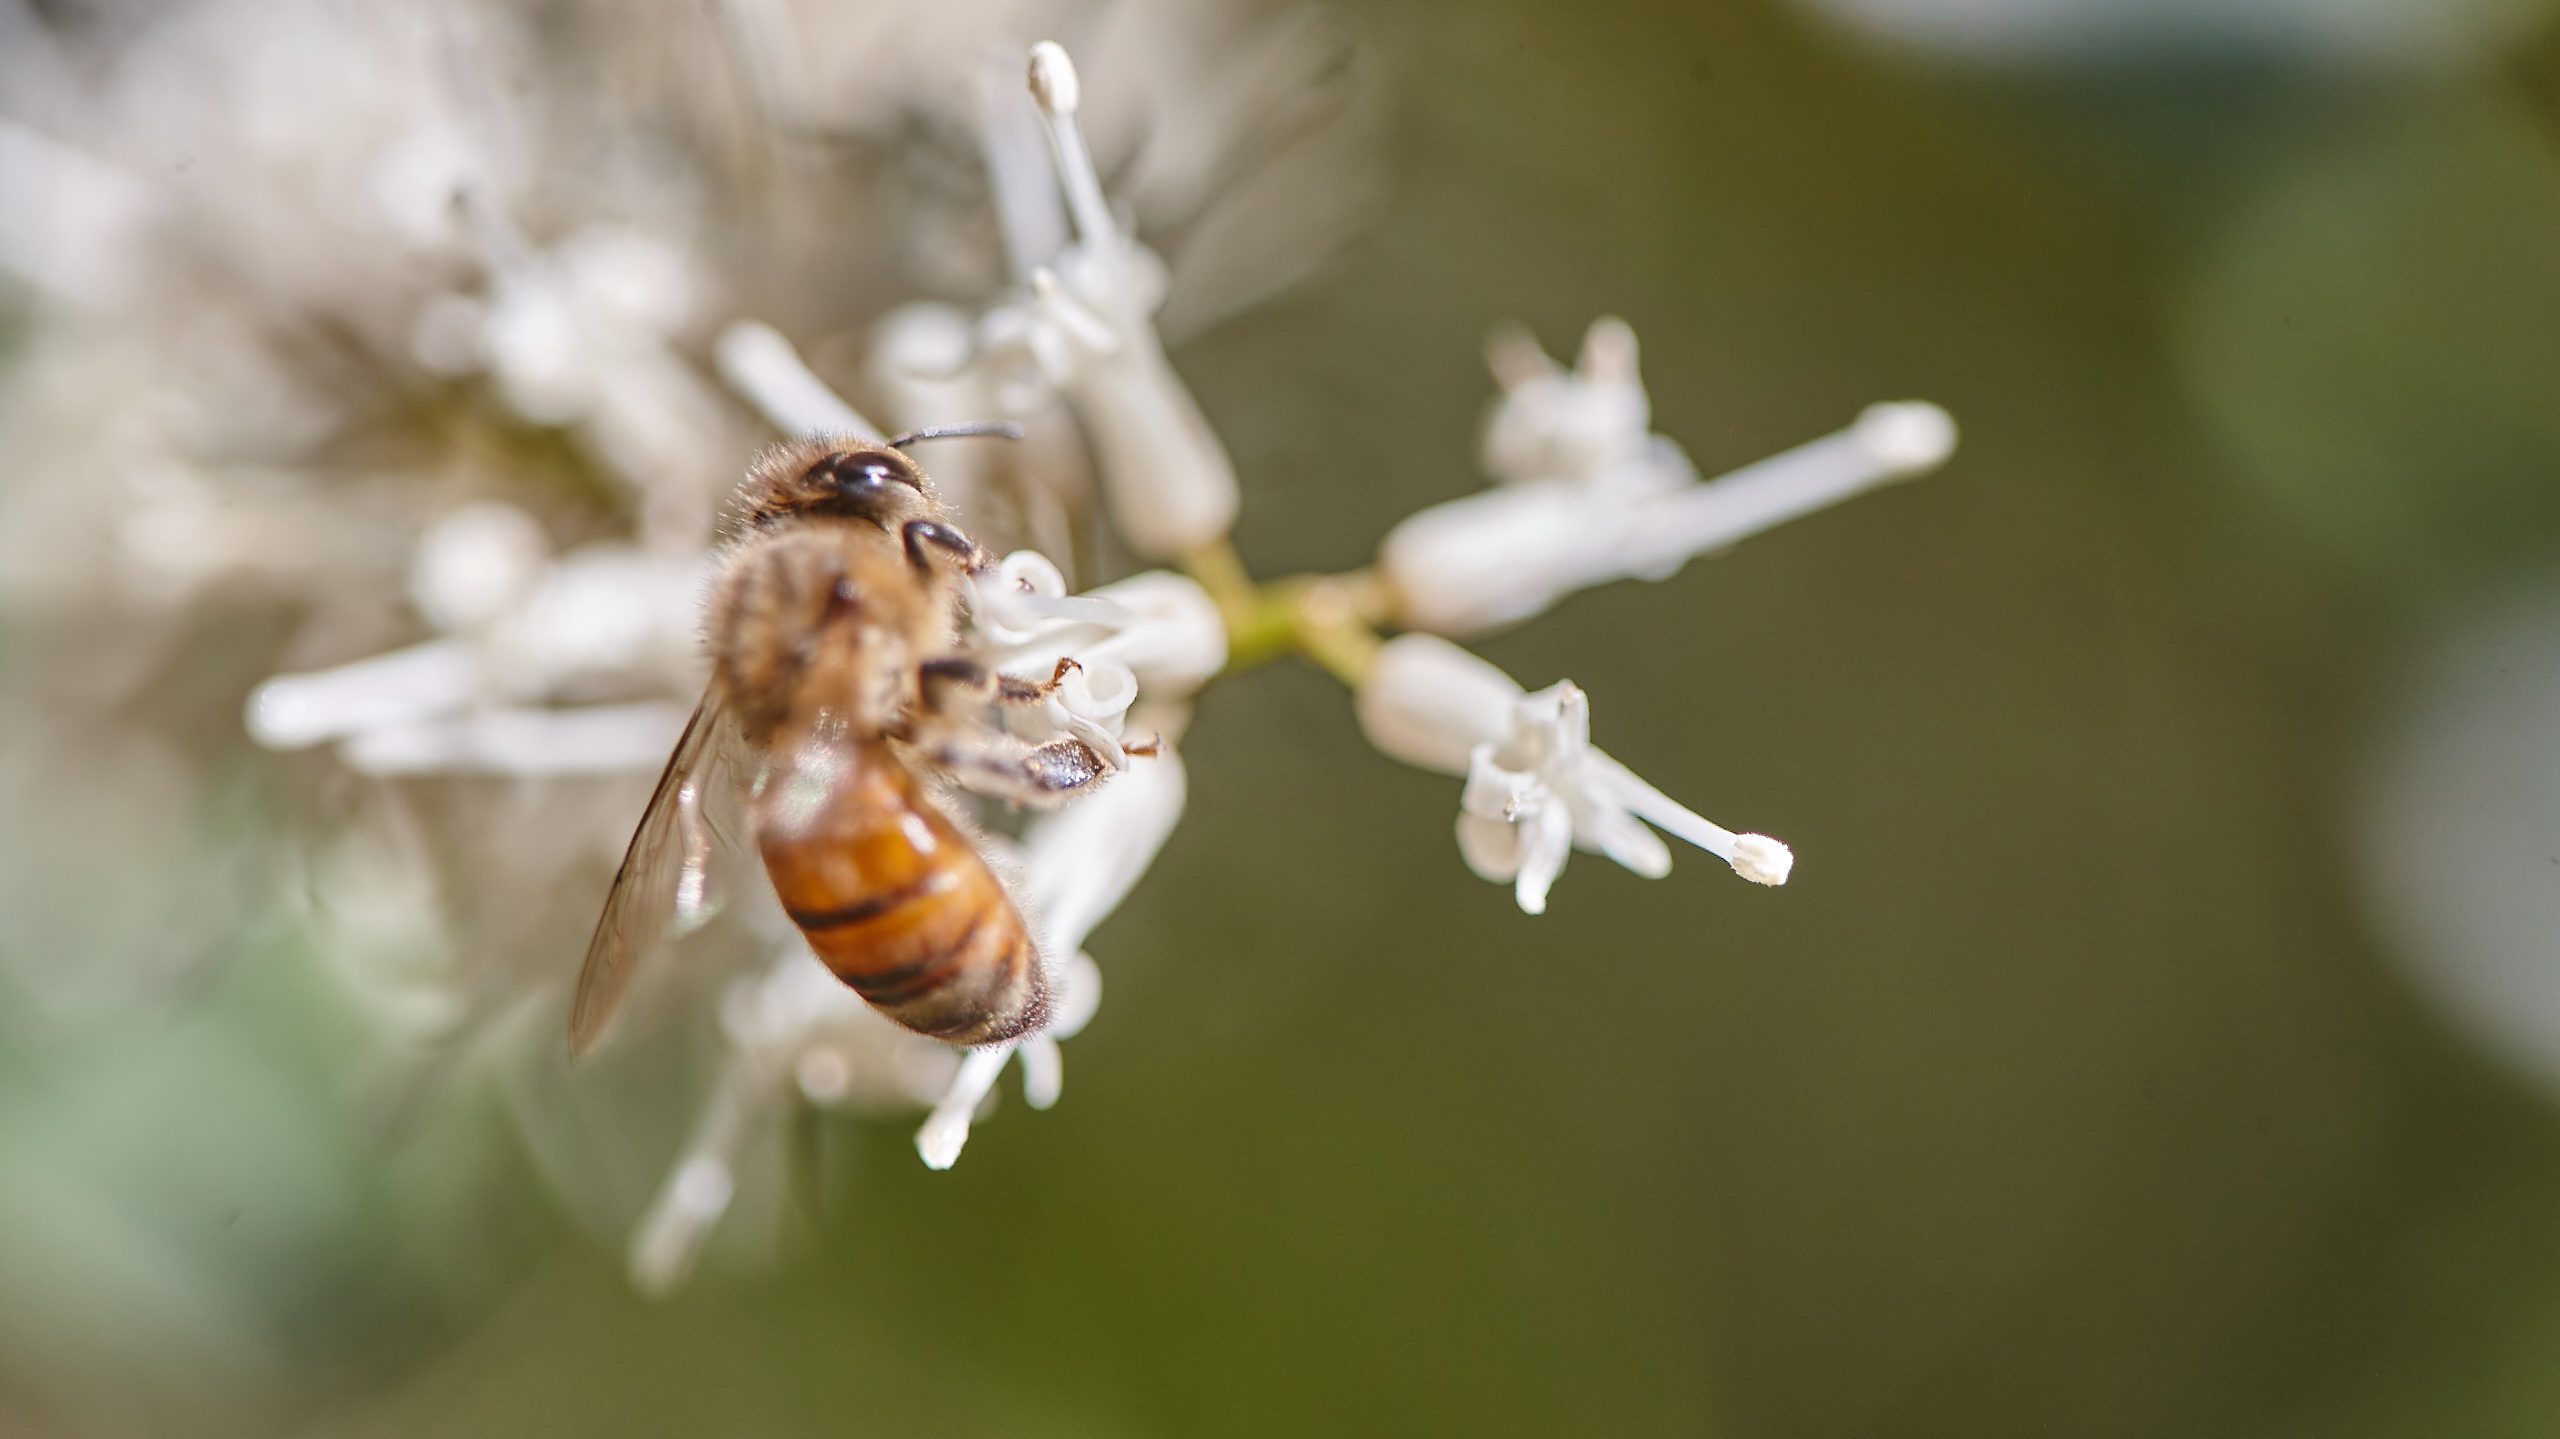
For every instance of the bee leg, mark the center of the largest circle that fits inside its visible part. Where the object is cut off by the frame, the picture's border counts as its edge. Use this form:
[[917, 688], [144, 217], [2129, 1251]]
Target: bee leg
[[1002, 768], [1022, 692], [940, 683], [943, 680], [952, 730], [918, 534]]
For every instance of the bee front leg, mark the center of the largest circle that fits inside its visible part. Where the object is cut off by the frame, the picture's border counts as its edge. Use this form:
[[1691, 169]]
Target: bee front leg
[[1014, 691], [921, 535]]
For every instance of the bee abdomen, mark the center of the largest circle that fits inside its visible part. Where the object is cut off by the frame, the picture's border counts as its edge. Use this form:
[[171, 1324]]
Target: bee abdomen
[[944, 956], [895, 900]]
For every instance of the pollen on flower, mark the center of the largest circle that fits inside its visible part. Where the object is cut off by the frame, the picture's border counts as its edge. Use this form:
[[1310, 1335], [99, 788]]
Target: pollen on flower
[[941, 1139], [1762, 860], [1907, 438], [1053, 79]]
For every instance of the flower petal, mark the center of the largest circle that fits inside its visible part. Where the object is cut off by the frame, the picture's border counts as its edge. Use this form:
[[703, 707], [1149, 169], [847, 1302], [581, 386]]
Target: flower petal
[[1491, 847], [1081, 860], [1608, 830], [1546, 842], [1044, 1070], [1755, 857], [1429, 703], [1496, 793], [1551, 729]]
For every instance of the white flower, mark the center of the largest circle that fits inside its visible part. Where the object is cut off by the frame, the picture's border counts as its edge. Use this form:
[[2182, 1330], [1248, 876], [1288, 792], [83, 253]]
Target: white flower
[[1078, 864], [1536, 788], [1589, 425], [925, 365], [1589, 497], [790, 1027], [75, 224], [582, 336], [760, 364], [522, 740], [1089, 326], [1156, 633], [932, 364], [521, 633]]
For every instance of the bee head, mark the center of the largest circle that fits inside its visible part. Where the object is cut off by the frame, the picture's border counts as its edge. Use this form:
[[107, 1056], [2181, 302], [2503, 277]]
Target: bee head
[[849, 480], [841, 481], [870, 482]]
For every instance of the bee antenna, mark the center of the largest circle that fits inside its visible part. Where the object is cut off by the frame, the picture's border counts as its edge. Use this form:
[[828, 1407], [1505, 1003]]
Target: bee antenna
[[1003, 429]]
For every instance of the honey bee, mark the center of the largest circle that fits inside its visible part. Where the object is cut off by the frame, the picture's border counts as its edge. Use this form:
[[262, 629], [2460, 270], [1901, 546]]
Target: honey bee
[[837, 680]]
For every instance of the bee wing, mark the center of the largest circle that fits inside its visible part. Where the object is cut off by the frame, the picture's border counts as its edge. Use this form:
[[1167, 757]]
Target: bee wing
[[661, 872]]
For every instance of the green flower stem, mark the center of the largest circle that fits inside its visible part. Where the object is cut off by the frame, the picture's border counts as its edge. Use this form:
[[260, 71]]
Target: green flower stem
[[1331, 620]]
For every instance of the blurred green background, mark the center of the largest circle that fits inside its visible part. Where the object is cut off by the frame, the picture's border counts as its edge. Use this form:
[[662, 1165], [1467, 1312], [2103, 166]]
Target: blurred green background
[[2068, 1089]]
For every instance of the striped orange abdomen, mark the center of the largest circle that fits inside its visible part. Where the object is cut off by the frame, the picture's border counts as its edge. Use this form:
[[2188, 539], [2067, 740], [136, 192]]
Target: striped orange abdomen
[[893, 897]]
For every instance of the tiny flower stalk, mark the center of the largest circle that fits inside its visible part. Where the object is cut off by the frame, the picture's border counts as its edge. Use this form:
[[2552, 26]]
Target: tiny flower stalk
[[1329, 619]]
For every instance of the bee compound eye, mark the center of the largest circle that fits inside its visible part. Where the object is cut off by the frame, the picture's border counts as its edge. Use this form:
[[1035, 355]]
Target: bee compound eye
[[859, 470]]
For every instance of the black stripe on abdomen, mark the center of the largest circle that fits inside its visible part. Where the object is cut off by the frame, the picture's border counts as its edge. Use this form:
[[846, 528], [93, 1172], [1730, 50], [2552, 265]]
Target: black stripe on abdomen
[[931, 882], [917, 978]]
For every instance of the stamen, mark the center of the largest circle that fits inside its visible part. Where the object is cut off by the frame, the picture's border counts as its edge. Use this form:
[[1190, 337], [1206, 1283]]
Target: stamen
[[1755, 857], [1013, 141], [946, 1130], [1055, 89], [1888, 442], [759, 363], [824, 1074]]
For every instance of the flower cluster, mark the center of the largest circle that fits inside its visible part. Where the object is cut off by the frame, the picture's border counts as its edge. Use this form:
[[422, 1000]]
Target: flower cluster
[[593, 362], [1585, 493]]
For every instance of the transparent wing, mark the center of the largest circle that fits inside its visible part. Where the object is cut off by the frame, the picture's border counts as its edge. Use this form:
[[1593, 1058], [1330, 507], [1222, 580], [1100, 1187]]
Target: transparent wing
[[662, 876]]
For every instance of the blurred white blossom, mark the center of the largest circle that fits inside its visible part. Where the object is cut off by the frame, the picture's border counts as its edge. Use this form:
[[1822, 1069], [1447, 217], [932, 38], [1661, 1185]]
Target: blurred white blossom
[[520, 629], [2458, 831], [2363, 34]]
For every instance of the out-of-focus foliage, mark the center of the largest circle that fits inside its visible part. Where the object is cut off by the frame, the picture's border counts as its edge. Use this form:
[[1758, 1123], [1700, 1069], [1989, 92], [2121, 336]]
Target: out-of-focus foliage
[[2078, 1083]]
